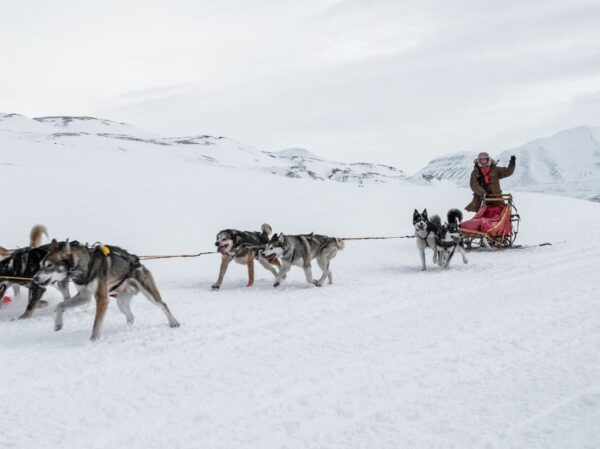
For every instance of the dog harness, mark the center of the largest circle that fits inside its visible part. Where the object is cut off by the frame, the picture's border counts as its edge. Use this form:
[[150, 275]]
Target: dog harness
[[132, 260], [425, 238], [86, 277]]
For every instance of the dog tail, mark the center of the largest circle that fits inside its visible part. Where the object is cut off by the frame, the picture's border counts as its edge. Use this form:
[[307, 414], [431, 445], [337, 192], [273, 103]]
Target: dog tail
[[5, 252], [339, 244], [35, 236], [266, 229], [435, 221], [455, 217]]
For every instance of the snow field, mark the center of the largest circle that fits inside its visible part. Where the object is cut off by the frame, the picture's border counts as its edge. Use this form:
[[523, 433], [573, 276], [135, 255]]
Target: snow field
[[500, 353]]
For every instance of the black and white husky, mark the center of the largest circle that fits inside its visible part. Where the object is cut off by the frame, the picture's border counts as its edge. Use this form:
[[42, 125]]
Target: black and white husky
[[18, 268], [448, 239], [426, 230], [300, 250], [442, 239]]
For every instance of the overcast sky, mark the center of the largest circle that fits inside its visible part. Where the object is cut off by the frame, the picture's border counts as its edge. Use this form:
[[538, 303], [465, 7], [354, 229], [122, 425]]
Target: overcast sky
[[390, 81]]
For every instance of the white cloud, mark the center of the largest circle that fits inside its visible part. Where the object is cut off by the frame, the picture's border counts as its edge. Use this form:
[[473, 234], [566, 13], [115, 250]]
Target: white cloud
[[392, 81]]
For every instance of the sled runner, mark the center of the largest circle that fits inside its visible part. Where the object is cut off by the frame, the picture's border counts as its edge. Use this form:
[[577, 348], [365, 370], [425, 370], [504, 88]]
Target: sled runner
[[495, 225]]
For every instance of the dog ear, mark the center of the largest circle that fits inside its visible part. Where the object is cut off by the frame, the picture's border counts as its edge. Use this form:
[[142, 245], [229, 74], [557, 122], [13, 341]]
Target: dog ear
[[425, 213], [281, 238], [416, 214], [67, 247], [53, 245]]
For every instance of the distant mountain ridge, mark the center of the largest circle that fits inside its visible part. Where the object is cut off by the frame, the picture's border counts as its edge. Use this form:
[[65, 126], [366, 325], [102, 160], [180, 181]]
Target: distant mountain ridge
[[566, 163], [291, 162]]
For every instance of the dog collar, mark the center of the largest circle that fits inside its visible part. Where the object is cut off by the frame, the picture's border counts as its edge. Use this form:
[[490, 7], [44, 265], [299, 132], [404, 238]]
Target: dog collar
[[423, 238]]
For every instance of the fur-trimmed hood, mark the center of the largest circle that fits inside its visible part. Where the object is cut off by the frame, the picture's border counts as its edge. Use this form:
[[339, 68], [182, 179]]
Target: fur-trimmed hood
[[491, 163]]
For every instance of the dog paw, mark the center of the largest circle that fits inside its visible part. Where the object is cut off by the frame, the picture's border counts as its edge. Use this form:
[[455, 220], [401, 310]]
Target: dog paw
[[216, 287], [249, 284], [25, 315], [174, 323], [276, 284], [58, 327], [317, 284]]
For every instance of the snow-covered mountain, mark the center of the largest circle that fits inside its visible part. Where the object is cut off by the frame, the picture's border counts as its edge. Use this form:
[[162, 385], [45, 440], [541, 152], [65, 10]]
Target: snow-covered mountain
[[222, 151], [304, 164], [455, 167], [566, 163]]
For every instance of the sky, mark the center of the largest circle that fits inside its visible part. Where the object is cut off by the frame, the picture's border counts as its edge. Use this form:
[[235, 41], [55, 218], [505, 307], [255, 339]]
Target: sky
[[389, 81]]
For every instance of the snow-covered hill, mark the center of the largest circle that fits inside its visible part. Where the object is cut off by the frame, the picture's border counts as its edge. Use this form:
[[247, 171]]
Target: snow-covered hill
[[304, 164], [566, 163], [455, 167], [387, 357], [222, 151]]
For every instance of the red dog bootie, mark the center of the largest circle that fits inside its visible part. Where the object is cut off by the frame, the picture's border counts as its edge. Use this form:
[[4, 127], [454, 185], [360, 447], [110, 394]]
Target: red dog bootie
[[6, 300]]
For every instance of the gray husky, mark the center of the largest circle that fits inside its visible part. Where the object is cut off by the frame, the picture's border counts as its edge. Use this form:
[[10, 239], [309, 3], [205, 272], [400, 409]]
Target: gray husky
[[300, 250], [100, 271], [243, 247]]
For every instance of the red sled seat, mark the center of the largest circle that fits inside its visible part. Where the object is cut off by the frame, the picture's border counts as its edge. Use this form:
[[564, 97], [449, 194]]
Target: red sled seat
[[493, 221], [486, 218]]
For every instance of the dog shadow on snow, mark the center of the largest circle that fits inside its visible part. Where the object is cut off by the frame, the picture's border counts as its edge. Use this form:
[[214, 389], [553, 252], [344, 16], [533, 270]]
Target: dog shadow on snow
[[39, 331], [236, 285], [12, 311]]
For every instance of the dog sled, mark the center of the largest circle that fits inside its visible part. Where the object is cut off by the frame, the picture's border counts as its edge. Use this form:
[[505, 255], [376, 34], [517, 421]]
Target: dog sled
[[495, 226]]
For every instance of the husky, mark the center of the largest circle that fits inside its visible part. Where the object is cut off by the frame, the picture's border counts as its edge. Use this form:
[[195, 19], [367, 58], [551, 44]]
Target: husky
[[300, 250], [35, 239], [244, 247], [426, 230], [25, 263], [448, 239], [100, 271]]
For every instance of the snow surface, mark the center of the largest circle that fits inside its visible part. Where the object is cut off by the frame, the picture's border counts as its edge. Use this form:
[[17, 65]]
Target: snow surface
[[92, 125], [500, 353]]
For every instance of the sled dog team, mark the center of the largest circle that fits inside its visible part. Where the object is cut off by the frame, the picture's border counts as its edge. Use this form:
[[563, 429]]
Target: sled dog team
[[101, 271]]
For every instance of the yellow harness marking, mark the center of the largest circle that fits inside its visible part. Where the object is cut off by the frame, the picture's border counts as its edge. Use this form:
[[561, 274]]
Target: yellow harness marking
[[105, 250]]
